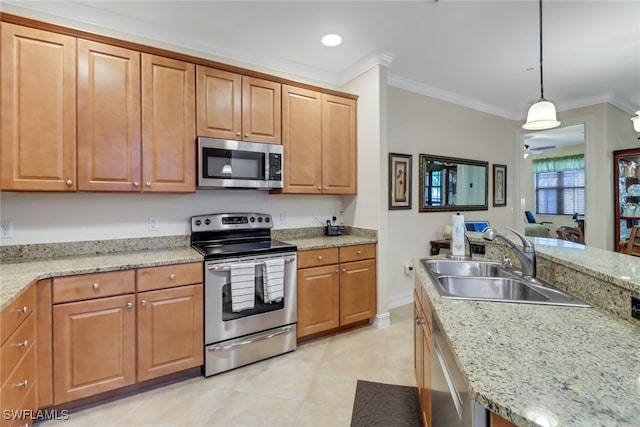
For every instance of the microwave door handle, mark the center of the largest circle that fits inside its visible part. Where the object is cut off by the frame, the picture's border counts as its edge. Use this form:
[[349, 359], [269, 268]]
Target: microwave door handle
[[227, 267]]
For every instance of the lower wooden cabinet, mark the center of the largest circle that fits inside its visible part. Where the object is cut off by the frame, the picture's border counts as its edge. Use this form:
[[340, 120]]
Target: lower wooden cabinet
[[422, 357], [94, 347], [170, 331], [336, 287], [102, 342]]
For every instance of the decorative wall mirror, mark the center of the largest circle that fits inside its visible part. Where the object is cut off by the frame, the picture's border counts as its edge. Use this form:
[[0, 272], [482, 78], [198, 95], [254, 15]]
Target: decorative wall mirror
[[450, 184]]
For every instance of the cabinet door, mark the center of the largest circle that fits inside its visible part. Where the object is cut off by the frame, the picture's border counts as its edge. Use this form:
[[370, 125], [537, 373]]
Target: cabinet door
[[357, 291], [219, 103], [261, 110], [108, 118], [168, 125], [339, 171], [94, 347], [318, 299], [170, 331], [417, 345], [301, 140], [38, 146]]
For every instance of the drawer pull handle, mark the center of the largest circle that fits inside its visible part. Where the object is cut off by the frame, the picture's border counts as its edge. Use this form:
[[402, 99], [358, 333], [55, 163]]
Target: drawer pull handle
[[23, 309], [96, 285], [359, 252], [319, 257], [24, 383], [172, 277], [24, 344], [143, 302]]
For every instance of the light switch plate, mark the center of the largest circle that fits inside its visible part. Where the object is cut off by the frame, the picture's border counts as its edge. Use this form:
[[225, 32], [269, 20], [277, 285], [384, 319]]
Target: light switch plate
[[153, 224], [6, 229]]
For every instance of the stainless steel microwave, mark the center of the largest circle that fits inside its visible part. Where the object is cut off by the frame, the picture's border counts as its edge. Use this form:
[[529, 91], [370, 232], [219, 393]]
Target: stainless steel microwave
[[226, 163]]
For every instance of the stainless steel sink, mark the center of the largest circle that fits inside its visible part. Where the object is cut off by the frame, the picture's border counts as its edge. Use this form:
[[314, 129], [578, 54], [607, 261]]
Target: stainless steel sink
[[465, 268], [489, 288], [490, 281]]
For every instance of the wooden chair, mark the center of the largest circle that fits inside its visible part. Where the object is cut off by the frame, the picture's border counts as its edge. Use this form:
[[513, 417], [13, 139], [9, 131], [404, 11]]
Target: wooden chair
[[633, 245], [571, 234]]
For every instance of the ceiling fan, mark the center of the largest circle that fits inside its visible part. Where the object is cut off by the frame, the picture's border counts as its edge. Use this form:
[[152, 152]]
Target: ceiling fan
[[537, 150]]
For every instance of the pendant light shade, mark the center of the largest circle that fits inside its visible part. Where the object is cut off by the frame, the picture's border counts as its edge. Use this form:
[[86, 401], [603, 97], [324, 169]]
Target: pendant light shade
[[542, 114], [636, 121]]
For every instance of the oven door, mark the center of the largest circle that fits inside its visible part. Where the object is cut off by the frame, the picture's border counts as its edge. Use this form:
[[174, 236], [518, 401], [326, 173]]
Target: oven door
[[224, 321]]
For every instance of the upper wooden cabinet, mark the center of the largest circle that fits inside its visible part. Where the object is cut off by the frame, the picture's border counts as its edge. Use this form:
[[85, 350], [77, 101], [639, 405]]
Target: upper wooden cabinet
[[319, 139], [108, 118], [168, 125], [233, 106], [38, 146]]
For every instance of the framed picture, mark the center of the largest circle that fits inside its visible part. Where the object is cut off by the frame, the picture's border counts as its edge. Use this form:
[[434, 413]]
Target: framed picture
[[400, 181], [499, 185]]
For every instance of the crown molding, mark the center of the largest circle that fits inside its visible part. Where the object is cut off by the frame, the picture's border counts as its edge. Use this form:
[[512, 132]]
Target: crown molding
[[382, 58]]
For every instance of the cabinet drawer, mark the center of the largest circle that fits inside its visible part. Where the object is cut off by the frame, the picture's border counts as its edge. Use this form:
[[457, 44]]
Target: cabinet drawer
[[358, 252], [20, 382], [89, 286], [16, 347], [317, 257], [169, 276], [17, 312]]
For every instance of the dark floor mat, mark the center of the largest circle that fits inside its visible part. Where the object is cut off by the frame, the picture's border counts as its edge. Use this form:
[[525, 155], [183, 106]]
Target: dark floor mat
[[385, 405]]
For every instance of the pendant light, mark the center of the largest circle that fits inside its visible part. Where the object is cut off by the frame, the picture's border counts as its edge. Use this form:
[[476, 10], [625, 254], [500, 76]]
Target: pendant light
[[542, 114], [226, 169], [636, 121]]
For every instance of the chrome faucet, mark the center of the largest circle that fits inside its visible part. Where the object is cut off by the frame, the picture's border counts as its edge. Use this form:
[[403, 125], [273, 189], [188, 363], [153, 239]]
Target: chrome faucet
[[526, 255]]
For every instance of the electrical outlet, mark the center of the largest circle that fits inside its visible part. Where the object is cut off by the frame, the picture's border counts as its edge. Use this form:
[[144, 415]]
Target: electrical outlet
[[477, 248], [153, 224], [635, 307], [283, 218], [6, 229]]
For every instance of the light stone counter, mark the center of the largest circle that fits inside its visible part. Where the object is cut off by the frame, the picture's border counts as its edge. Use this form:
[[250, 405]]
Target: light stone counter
[[561, 366], [16, 277], [314, 238]]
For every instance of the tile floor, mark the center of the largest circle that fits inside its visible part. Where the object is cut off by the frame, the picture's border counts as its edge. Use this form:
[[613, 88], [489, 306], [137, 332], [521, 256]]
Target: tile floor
[[312, 386]]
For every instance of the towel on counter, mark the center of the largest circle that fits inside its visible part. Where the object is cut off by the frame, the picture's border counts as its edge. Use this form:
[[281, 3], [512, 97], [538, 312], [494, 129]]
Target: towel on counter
[[273, 280], [243, 279]]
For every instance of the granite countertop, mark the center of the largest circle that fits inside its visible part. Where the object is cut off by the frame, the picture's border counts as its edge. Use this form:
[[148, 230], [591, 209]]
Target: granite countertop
[[320, 242], [16, 277], [559, 366]]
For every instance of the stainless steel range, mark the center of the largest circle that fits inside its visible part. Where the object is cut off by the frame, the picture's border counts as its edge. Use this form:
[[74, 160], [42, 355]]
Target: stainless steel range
[[250, 308]]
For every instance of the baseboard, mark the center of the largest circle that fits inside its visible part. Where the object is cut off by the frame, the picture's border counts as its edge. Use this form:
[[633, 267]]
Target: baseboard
[[400, 300], [382, 321]]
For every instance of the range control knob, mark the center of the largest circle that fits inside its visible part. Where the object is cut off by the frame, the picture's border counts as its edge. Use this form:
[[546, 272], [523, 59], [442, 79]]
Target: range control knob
[[198, 222], [259, 219], [252, 219], [266, 219], [207, 221]]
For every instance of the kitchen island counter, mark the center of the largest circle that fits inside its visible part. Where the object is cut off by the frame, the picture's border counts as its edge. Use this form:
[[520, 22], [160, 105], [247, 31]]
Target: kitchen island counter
[[538, 365]]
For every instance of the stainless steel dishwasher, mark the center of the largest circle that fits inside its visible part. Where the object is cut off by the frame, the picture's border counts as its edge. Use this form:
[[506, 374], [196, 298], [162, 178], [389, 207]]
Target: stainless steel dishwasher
[[451, 402]]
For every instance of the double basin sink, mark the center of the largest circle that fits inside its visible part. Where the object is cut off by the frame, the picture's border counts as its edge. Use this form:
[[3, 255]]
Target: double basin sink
[[490, 281]]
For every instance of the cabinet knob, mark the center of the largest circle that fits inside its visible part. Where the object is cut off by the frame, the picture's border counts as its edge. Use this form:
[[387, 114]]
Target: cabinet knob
[[344, 270], [24, 383], [419, 320], [23, 309], [238, 134], [246, 135], [69, 183], [143, 302], [319, 257], [319, 188], [96, 285], [129, 305], [148, 183], [24, 344], [136, 184], [326, 188], [359, 252], [172, 277]]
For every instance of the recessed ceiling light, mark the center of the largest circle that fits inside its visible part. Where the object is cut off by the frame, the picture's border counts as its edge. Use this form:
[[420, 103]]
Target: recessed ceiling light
[[331, 40]]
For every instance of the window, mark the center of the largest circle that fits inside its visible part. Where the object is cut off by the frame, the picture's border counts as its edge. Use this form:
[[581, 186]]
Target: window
[[559, 185]]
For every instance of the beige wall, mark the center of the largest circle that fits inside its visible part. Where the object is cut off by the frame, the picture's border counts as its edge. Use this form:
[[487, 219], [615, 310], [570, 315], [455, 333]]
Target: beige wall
[[420, 124]]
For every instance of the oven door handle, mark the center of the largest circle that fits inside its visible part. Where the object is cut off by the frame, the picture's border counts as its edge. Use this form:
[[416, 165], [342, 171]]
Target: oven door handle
[[227, 267], [284, 330]]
